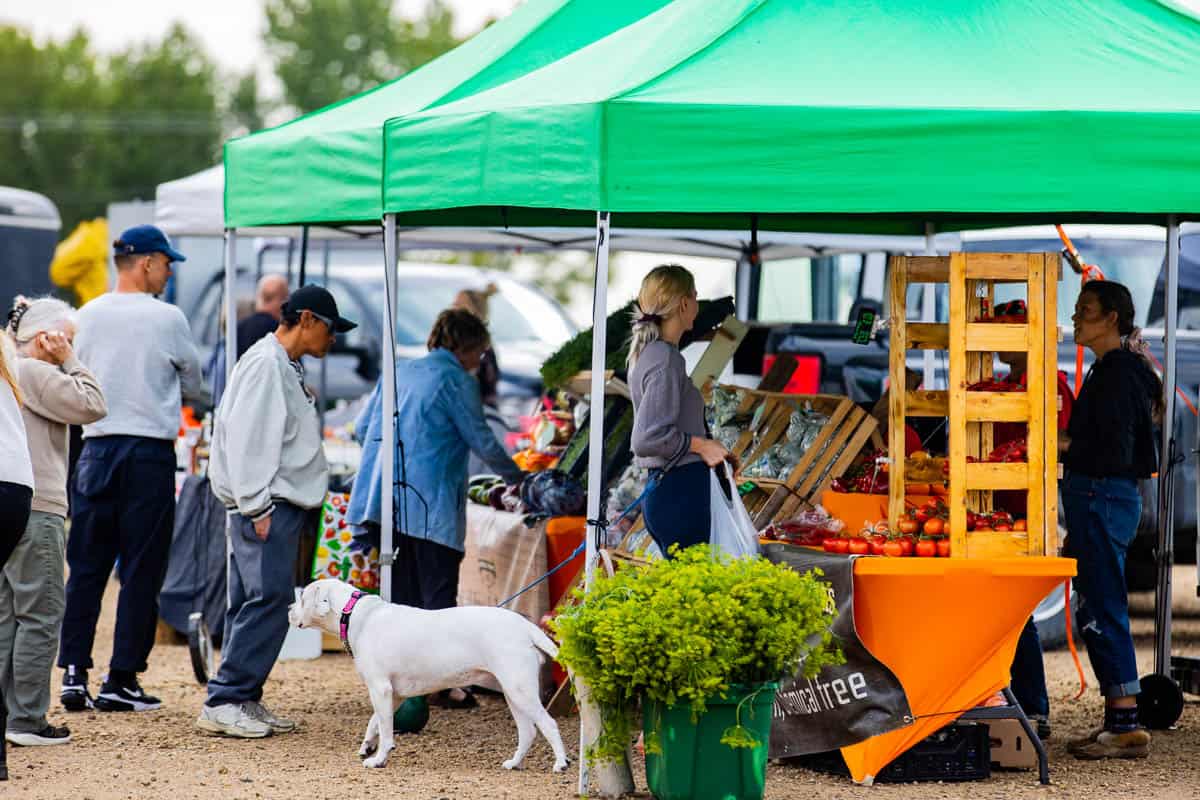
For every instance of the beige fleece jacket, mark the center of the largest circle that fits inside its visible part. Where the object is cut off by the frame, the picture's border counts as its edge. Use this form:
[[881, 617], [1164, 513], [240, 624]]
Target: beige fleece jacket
[[55, 397]]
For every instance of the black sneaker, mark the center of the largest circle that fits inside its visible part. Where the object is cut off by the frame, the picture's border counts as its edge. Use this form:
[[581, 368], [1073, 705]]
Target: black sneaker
[[49, 735], [74, 694], [118, 697]]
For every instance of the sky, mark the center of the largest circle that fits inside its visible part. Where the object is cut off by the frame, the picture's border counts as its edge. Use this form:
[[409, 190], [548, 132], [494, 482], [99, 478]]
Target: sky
[[230, 29]]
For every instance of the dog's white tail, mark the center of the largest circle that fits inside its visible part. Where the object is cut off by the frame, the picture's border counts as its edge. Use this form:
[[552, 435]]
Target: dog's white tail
[[542, 642]]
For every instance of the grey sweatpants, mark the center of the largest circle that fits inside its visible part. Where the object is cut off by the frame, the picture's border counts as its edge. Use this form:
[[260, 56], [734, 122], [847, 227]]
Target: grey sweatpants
[[32, 600], [261, 579]]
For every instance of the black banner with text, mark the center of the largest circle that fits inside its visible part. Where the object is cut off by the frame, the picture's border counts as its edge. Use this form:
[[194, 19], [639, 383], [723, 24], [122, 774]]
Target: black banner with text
[[845, 704]]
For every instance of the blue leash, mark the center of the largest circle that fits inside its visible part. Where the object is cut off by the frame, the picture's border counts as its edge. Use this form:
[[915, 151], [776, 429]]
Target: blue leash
[[650, 486]]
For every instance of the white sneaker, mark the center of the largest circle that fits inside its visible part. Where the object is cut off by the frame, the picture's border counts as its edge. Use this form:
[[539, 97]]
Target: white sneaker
[[264, 714], [233, 720]]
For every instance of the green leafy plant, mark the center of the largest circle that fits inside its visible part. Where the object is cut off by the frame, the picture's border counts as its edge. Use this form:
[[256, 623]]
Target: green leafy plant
[[687, 629]]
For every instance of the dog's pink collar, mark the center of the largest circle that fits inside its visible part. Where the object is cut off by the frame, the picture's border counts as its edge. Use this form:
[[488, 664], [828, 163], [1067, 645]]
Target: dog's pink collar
[[344, 625]]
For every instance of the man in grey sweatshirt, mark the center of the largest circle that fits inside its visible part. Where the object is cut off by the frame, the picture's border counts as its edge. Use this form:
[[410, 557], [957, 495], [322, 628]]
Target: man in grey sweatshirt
[[268, 468], [123, 498]]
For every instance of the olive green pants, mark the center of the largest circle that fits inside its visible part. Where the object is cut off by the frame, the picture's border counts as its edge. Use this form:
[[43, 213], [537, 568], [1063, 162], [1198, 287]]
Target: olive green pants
[[32, 600]]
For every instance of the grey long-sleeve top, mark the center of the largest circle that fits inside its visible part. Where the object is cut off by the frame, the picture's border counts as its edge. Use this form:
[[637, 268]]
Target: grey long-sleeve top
[[668, 409]]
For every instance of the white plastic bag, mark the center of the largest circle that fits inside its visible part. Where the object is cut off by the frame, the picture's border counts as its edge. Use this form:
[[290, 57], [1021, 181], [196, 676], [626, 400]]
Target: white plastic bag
[[732, 532]]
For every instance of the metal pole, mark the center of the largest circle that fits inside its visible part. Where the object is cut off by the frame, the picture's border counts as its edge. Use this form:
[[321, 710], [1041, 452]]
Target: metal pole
[[303, 254], [595, 489], [929, 311], [387, 549], [230, 303], [1166, 478], [324, 361]]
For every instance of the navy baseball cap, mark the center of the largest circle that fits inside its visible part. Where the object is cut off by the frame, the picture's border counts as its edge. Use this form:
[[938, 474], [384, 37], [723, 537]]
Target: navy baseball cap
[[320, 302], [146, 239]]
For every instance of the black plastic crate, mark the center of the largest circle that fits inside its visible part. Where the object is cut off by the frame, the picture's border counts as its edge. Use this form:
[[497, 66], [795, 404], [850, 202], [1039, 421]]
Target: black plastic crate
[[958, 752]]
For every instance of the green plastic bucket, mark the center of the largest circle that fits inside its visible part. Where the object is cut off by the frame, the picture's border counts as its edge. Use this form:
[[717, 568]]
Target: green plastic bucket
[[694, 764]]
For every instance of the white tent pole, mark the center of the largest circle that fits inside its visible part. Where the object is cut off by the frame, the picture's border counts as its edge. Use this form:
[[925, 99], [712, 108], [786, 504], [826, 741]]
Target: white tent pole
[[929, 309], [606, 780], [1166, 516], [387, 549], [230, 302]]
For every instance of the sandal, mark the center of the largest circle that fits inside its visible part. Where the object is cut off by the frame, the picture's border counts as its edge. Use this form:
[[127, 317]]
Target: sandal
[[443, 699]]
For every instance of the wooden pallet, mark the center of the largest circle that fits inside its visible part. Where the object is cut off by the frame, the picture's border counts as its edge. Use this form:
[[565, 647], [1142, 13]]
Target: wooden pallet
[[972, 278]]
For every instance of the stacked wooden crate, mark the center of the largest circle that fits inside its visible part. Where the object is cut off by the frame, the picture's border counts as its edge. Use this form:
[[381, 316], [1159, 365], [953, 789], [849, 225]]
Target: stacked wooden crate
[[972, 345]]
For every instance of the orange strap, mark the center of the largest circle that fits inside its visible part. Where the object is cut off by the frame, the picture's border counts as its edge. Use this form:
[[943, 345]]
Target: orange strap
[[1071, 639]]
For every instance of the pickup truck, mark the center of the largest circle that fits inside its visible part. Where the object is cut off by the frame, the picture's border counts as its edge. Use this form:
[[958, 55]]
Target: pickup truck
[[827, 294]]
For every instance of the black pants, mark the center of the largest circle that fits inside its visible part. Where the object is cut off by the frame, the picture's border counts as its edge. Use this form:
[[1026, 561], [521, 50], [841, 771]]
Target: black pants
[[426, 574], [677, 511], [14, 516], [123, 501]]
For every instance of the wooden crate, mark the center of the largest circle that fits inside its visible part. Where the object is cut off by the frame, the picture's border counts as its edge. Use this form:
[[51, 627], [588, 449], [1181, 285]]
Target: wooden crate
[[841, 440], [972, 278]]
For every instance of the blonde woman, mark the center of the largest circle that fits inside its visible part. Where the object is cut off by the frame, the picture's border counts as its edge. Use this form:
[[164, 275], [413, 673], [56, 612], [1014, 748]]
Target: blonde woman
[[670, 436], [16, 483], [58, 391]]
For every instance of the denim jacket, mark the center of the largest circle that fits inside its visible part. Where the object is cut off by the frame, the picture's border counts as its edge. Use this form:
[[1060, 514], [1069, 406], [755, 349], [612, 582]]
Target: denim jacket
[[439, 422]]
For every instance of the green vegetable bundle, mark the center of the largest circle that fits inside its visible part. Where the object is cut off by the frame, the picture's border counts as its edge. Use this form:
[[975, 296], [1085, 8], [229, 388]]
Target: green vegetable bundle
[[686, 629]]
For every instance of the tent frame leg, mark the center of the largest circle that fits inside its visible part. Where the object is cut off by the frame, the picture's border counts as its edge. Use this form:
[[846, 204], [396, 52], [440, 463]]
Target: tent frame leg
[[1014, 711], [387, 547]]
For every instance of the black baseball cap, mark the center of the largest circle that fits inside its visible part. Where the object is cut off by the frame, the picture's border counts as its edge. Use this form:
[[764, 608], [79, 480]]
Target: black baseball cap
[[320, 302], [146, 239]]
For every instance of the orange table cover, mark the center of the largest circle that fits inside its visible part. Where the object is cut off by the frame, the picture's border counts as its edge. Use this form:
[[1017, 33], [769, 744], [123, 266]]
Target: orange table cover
[[947, 628]]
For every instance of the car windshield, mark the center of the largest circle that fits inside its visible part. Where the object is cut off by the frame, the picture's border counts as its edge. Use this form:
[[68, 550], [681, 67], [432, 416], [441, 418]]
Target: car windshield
[[1133, 262], [421, 299]]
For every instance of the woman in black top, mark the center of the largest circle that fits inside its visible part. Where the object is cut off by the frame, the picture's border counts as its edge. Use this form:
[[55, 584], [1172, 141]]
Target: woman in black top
[[1109, 446]]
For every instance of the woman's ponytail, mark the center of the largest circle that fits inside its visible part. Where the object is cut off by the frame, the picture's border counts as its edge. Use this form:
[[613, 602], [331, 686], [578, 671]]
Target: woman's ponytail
[[662, 291]]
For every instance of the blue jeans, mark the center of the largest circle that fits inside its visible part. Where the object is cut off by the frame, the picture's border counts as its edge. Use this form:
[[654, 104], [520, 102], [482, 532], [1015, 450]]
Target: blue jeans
[[261, 577], [677, 511], [1029, 673], [1102, 519]]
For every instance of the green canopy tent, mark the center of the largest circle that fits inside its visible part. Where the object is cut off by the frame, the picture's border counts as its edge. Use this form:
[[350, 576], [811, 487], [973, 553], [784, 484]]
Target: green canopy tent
[[829, 116]]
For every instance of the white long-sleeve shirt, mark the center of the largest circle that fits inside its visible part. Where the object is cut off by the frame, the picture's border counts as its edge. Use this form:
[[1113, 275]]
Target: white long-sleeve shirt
[[15, 463], [142, 352], [267, 437]]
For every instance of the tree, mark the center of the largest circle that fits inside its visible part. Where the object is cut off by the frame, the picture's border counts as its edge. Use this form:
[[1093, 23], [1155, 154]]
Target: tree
[[86, 130], [327, 50]]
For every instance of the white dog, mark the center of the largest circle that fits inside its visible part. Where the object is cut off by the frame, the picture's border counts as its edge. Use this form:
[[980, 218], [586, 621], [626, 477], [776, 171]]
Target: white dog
[[403, 652]]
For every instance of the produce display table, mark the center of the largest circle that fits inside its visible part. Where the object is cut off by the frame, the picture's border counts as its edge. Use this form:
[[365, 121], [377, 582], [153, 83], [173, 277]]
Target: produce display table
[[948, 629]]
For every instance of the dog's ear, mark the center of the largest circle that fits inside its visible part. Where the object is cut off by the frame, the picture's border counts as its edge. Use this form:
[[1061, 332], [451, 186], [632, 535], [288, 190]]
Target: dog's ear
[[321, 605]]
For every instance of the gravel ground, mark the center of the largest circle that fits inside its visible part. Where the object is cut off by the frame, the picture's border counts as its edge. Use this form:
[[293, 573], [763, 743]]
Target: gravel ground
[[160, 755]]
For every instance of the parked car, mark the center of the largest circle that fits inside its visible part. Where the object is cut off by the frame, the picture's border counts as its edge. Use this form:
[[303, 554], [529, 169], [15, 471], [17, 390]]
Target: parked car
[[526, 325], [29, 228]]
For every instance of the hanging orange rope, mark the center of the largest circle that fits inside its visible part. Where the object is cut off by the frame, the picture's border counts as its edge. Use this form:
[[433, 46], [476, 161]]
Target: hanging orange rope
[[1071, 639]]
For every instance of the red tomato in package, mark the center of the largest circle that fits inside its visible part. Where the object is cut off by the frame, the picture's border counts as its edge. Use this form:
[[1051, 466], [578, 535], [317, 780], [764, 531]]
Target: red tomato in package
[[926, 549], [906, 545], [893, 549], [878, 545], [841, 546], [858, 547], [943, 548]]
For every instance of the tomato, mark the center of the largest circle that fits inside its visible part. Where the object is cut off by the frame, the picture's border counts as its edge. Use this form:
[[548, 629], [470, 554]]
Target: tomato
[[907, 526], [983, 529], [859, 547], [926, 549], [1020, 525], [933, 527], [1003, 526], [943, 548], [906, 546], [893, 549], [877, 546], [841, 545], [829, 545]]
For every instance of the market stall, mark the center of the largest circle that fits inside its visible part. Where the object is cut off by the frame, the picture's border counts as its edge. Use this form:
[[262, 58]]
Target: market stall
[[649, 123], [872, 145]]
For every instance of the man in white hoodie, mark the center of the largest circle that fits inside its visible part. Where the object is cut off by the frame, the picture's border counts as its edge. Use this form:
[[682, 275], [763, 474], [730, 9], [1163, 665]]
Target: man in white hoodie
[[268, 468]]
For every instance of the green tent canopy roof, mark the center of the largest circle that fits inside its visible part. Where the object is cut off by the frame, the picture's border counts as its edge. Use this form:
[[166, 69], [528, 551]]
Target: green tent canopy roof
[[828, 115], [327, 167]]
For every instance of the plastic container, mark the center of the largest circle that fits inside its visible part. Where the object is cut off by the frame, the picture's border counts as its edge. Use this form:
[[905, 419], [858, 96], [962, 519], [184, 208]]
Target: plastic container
[[694, 764]]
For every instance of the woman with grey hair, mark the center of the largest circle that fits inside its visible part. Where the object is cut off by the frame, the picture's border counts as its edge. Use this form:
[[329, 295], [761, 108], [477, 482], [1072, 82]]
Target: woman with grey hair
[[57, 391]]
